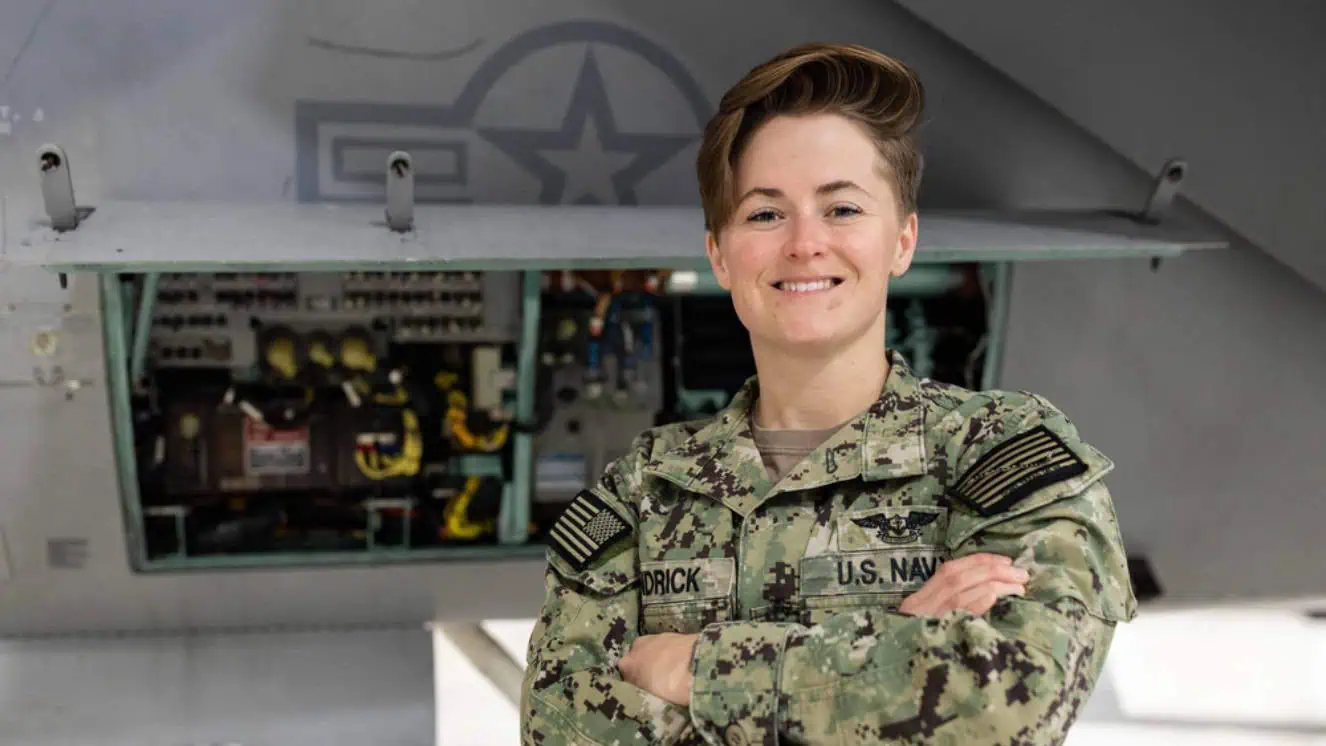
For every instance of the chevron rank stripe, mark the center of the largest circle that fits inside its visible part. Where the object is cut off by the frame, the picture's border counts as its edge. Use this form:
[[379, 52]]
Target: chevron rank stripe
[[1016, 468], [587, 528]]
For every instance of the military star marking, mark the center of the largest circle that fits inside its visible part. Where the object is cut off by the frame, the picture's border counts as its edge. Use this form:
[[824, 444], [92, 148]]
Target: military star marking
[[588, 160]]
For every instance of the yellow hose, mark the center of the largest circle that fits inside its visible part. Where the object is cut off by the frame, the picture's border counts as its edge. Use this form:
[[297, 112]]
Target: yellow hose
[[280, 355], [357, 355], [456, 415], [457, 523], [320, 355], [457, 411], [378, 466], [399, 398]]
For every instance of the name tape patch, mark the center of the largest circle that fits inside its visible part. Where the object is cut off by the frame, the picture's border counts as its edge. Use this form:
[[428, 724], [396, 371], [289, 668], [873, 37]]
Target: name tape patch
[[1016, 468], [586, 530], [686, 580], [878, 571]]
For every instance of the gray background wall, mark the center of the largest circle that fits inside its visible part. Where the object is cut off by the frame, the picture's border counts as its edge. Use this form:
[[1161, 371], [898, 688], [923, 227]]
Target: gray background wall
[[1238, 88], [1203, 380]]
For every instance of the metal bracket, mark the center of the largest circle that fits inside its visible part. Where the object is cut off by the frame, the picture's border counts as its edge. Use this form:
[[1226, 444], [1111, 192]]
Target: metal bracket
[[1166, 188], [57, 188], [400, 192], [57, 191]]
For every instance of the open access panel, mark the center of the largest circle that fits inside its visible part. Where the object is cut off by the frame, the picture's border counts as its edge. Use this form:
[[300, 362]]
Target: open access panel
[[315, 417], [313, 385]]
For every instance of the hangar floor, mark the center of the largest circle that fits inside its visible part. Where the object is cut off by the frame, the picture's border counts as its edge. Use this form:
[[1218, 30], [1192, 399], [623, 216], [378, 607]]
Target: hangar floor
[[1216, 678], [1220, 677]]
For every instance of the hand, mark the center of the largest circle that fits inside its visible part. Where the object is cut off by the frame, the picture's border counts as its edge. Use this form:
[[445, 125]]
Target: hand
[[973, 582], [661, 665]]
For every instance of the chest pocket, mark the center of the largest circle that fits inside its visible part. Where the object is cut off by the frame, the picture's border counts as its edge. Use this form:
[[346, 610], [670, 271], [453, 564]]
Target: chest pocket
[[685, 595], [878, 558]]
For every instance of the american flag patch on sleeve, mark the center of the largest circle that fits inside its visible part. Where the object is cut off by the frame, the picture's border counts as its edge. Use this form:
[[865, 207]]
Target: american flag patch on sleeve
[[586, 530], [1016, 468]]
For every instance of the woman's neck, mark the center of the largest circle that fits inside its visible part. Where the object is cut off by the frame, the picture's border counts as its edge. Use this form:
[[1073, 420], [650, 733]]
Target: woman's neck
[[800, 391]]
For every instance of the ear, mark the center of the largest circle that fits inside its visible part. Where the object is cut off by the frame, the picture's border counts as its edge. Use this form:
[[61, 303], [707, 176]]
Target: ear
[[716, 260], [906, 247]]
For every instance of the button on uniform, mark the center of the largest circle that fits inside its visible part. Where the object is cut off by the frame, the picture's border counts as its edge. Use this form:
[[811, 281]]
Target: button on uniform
[[734, 736]]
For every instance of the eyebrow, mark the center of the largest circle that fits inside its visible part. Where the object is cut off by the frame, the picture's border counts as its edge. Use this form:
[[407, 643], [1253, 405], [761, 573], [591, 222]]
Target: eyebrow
[[822, 189]]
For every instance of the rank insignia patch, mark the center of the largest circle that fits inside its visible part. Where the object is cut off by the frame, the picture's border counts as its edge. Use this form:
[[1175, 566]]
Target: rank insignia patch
[[586, 530], [1016, 468]]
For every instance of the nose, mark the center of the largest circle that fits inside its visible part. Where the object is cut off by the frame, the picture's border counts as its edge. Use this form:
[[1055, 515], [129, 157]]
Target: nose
[[806, 239]]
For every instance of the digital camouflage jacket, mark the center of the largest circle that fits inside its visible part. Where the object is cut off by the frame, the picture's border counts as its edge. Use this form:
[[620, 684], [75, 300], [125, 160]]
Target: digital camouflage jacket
[[795, 586]]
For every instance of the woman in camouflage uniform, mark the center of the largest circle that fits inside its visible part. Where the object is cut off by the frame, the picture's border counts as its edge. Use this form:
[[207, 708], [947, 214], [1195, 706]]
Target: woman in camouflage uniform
[[847, 553]]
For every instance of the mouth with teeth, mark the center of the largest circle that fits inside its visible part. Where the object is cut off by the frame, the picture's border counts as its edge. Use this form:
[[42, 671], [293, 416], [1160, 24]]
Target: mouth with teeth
[[808, 286]]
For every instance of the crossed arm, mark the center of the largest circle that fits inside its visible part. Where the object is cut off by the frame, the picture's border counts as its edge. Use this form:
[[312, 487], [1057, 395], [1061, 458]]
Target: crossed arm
[[1019, 669], [661, 664], [956, 666], [647, 691]]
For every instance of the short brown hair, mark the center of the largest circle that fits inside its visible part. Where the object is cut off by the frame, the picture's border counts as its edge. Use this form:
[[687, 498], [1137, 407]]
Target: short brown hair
[[875, 90]]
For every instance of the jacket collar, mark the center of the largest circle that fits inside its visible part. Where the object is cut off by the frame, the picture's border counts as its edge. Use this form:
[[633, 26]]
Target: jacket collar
[[722, 461]]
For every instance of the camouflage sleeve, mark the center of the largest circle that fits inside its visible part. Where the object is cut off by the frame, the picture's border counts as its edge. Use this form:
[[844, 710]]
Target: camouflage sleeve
[[573, 693], [1015, 675]]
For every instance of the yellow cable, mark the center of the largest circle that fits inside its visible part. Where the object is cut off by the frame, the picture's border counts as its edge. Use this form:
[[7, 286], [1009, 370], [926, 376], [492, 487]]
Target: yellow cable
[[399, 398], [280, 354], [320, 355], [458, 525], [357, 355], [405, 465], [445, 380], [457, 411]]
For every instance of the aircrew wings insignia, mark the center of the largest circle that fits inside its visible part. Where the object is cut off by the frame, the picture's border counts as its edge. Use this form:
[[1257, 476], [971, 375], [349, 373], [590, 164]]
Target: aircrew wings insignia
[[898, 529], [588, 528]]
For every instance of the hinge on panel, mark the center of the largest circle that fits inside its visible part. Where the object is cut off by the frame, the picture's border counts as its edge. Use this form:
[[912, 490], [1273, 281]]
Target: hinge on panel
[[1165, 189], [400, 192], [1163, 192], [57, 192]]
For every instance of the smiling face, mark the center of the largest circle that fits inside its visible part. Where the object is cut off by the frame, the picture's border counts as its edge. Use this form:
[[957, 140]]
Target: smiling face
[[814, 238]]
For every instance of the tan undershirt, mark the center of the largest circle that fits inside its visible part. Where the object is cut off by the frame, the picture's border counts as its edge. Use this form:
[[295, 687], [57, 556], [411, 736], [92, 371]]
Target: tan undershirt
[[783, 449]]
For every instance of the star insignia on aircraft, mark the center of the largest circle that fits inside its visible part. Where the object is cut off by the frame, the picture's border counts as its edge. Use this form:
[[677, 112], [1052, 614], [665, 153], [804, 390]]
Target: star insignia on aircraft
[[588, 160], [898, 529]]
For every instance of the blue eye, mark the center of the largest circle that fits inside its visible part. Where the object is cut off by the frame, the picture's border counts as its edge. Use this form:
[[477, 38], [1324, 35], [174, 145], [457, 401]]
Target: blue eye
[[762, 216], [844, 211]]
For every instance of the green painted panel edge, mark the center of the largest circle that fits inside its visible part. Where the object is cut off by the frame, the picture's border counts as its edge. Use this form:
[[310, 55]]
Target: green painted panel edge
[[115, 320], [142, 329], [378, 557], [515, 519], [697, 263]]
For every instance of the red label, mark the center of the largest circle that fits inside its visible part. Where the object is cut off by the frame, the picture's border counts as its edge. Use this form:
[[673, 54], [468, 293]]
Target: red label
[[270, 451]]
